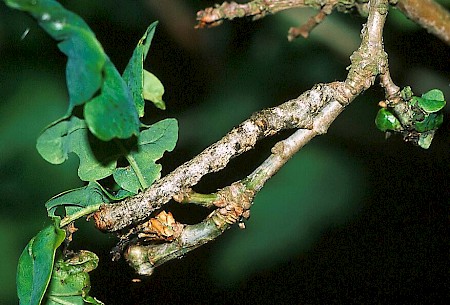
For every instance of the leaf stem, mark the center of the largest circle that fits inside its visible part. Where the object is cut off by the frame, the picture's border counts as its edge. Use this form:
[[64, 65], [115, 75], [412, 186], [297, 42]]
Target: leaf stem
[[83, 212], [133, 165]]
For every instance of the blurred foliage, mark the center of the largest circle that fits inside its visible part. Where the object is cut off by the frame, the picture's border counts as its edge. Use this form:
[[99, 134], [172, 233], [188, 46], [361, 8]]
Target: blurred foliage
[[213, 80]]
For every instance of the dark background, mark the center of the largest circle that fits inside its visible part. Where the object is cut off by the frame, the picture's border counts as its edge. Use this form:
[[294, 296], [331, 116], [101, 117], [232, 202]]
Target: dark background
[[353, 218]]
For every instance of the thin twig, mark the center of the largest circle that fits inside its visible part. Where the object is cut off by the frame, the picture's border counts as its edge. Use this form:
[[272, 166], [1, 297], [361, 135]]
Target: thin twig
[[213, 16], [144, 258], [314, 21], [189, 196]]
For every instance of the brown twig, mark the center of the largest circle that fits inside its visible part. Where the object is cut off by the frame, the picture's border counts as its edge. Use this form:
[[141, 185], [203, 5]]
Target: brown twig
[[428, 14], [391, 89], [314, 21], [238, 198], [213, 16]]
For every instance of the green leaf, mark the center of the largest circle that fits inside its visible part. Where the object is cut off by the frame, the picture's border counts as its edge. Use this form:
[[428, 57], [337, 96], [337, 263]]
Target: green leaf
[[431, 101], [385, 120], [151, 145], [407, 93], [153, 90], [141, 85], [431, 122], [70, 283], [36, 263], [85, 64], [431, 105], [112, 114], [77, 199], [109, 114], [434, 94], [86, 57], [96, 157]]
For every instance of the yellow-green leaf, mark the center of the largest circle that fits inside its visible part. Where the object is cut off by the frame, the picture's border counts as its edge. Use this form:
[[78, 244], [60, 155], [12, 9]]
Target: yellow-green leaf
[[153, 90]]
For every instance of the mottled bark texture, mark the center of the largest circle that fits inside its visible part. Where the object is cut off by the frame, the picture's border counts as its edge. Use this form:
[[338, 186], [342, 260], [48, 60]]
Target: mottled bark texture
[[311, 113]]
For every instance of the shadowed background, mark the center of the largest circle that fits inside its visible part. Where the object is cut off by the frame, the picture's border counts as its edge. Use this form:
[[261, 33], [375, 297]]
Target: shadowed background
[[352, 218]]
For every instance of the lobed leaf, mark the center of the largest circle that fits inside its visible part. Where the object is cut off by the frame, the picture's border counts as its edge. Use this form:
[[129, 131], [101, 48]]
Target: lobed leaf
[[36, 264], [91, 77], [150, 146], [143, 84], [86, 57], [97, 158], [112, 114], [70, 283], [77, 199]]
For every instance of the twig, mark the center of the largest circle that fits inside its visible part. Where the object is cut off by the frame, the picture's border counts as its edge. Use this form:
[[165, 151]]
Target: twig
[[144, 258], [296, 113], [213, 16], [368, 61], [314, 21], [428, 14], [189, 196], [237, 199], [285, 149], [391, 89]]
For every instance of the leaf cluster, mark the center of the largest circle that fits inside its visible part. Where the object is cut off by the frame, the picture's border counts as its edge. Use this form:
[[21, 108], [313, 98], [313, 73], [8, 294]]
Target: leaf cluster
[[102, 127], [416, 118]]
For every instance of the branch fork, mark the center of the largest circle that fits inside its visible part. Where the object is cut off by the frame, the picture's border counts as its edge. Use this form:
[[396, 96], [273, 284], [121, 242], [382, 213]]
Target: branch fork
[[311, 113]]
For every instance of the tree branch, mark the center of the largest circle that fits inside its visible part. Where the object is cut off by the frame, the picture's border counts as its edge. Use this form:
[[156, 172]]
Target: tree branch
[[312, 113], [297, 113], [213, 16], [429, 15]]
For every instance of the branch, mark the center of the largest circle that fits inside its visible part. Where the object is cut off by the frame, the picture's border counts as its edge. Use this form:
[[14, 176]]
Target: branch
[[238, 199], [312, 112], [367, 62], [428, 14], [297, 113], [213, 16]]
